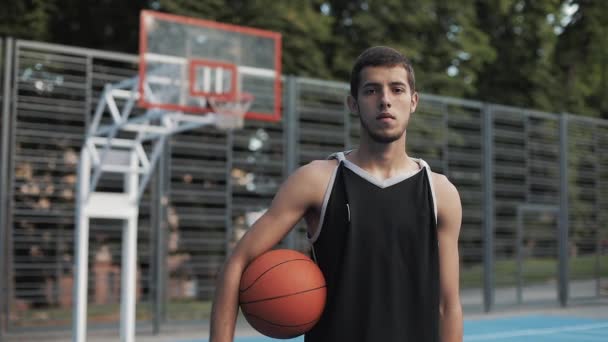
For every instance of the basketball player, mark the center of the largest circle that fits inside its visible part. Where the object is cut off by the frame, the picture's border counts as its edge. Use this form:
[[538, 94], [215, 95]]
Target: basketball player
[[383, 227]]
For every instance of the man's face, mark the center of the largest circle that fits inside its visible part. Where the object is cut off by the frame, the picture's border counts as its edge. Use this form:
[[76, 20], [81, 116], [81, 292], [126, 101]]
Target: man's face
[[385, 102]]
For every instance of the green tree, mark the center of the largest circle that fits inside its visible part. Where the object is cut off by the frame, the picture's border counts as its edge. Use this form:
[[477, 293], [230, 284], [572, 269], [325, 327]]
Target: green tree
[[524, 40], [360, 24], [440, 37], [209, 9], [107, 24], [581, 59], [28, 19], [454, 49]]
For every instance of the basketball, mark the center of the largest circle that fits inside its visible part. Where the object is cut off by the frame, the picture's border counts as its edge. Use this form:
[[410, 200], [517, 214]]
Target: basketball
[[282, 293]]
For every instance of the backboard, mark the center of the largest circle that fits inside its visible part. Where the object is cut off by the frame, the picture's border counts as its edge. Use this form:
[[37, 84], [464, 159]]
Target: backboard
[[186, 61]]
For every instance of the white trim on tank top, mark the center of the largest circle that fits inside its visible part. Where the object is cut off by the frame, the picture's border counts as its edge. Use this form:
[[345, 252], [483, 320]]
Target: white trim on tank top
[[340, 156]]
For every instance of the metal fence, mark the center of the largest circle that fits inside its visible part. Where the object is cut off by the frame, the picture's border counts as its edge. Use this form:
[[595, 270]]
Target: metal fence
[[509, 164]]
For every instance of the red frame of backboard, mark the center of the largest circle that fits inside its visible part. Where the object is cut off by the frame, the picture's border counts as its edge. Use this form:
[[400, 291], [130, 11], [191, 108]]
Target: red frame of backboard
[[195, 63], [276, 116]]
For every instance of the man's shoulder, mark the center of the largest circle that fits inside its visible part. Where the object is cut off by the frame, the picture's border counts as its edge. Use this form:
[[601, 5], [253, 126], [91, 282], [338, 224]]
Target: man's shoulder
[[318, 168], [310, 180], [447, 195], [441, 182]]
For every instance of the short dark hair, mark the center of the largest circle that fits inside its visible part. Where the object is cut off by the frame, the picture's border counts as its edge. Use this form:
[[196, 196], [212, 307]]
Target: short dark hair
[[380, 56]]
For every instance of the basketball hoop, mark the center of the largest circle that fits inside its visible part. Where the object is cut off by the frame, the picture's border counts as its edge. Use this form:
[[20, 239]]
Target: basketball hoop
[[230, 112]]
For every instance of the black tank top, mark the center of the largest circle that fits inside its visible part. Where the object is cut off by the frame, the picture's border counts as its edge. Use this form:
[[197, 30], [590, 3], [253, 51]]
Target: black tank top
[[377, 247]]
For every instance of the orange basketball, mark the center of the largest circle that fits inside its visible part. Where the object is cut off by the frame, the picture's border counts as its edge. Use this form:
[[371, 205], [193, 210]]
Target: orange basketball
[[282, 293]]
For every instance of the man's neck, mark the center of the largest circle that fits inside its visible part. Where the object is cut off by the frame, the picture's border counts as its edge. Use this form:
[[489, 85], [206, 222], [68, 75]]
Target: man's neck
[[383, 160]]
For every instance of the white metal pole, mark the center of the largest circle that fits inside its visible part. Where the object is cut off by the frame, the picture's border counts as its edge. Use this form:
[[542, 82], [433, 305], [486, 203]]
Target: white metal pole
[[82, 249], [129, 277], [129, 257]]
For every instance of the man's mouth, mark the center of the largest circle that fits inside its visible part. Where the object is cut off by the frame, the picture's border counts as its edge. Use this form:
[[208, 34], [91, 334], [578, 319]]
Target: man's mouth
[[385, 116]]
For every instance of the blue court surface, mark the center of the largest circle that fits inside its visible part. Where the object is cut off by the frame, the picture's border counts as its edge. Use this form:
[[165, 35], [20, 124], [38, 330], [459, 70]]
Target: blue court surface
[[515, 329]]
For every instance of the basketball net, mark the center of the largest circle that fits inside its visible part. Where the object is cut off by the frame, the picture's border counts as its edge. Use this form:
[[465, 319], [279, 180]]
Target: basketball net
[[230, 112]]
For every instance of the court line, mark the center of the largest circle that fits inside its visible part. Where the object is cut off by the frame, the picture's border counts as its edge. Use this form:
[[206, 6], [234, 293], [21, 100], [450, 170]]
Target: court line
[[535, 332], [587, 337]]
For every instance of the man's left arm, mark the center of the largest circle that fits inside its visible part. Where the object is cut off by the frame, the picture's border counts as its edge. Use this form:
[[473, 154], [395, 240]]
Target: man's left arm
[[449, 218]]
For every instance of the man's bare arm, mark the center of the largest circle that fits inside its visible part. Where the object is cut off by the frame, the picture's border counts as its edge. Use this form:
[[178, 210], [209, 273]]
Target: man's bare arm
[[449, 220], [301, 191]]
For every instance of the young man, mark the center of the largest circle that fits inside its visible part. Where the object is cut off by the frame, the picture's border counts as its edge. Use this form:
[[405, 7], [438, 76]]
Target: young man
[[384, 228]]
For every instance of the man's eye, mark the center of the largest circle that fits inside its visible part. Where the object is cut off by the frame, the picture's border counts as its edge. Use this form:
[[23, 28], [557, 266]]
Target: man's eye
[[399, 90], [369, 91]]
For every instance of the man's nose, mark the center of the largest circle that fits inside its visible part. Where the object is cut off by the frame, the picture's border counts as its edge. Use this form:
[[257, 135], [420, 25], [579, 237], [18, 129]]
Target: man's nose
[[385, 101]]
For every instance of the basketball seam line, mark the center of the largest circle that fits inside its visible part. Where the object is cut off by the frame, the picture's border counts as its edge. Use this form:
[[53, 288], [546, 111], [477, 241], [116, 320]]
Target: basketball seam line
[[282, 325], [283, 296], [268, 270]]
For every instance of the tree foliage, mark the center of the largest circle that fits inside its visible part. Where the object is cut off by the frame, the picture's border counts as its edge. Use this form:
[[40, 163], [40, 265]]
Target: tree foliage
[[28, 19], [546, 54], [581, 60], [523, 33]]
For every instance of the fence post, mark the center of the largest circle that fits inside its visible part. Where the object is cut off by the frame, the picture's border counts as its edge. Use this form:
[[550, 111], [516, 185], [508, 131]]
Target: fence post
[[160, 201], [598, 207], [4, 167], [348, 144], [445, 144], [291, 136], [488, 207], [229, 194], [563, 211]]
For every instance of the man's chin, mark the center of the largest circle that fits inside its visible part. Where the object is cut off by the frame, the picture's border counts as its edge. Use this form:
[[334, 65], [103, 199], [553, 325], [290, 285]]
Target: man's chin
[[384, 138]]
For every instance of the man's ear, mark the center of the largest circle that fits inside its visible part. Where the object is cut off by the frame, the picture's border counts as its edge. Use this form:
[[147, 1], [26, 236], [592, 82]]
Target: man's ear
[[351, 102], [414, 103]]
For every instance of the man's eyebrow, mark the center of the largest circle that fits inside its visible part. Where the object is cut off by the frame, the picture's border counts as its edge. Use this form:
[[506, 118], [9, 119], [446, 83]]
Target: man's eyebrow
[[376, 84], [371, 84]]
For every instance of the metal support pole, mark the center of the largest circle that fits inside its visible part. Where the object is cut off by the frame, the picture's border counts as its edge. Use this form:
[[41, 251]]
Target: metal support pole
[[519, 257], [563, 211], [488, 208], [159, 228], [4, 166], [10, 191], [165, 176], [228, 216], [598, 210], [445, 149], [291, 137], [82, 249], [155, 227], [128, 294], [348, 143]]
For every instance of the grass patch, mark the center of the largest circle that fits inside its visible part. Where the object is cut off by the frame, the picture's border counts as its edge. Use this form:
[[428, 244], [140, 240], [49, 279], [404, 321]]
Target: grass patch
[[535, 270], [110, 313]]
